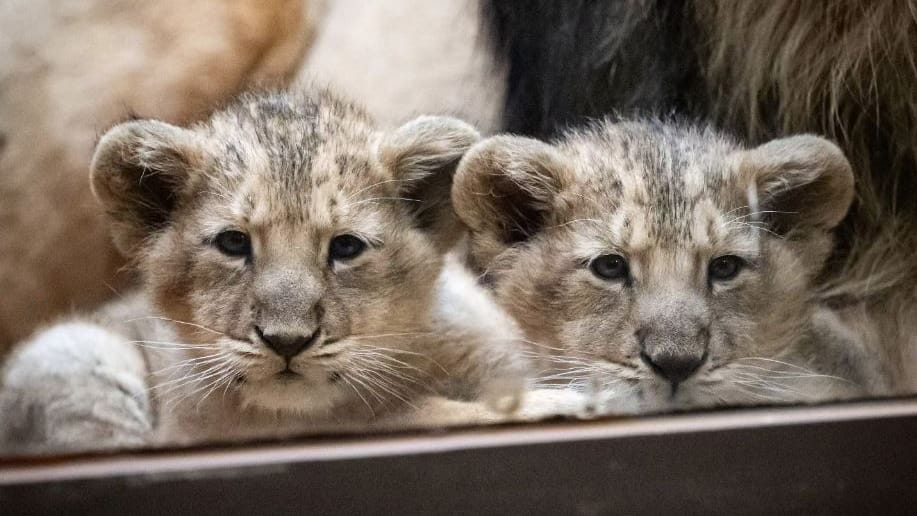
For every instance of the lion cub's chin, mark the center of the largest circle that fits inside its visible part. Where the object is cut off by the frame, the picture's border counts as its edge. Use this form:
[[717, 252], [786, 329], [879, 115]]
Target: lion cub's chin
[[654, 395], [293, 395]]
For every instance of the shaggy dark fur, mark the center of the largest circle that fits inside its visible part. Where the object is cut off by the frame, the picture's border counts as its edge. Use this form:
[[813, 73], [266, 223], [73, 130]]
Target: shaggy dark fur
[[575, 59]]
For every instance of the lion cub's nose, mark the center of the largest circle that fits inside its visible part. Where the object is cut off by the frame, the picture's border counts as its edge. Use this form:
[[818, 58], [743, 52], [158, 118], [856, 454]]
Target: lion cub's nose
[[287, 346], [673, 354], [675, 367]]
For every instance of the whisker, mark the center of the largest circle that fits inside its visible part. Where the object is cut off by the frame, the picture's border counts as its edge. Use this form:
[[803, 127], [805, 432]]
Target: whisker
[[187, 380], [386, 386], [774, 360], [351, 196], [361, 381], [191, 362], [552, 348], [176, 321], [224, 378], [345, 379], [383, 335], [790, 375], [412, 353]]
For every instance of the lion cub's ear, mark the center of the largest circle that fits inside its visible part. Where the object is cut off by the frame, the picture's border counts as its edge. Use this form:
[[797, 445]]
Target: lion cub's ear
[[422, 155], [139, 173], [506, 191], [801, 182]]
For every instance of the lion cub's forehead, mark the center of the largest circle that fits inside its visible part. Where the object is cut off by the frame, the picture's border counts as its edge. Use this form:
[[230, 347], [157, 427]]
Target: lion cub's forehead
[[295, 157], [651, 183]]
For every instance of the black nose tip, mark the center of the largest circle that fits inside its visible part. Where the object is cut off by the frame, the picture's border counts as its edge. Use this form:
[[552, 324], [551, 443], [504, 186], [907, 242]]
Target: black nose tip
[[673, 366], [287, 346]]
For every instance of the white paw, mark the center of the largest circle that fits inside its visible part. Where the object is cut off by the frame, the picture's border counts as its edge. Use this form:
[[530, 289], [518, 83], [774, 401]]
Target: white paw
[[546, 403], [76, 387]]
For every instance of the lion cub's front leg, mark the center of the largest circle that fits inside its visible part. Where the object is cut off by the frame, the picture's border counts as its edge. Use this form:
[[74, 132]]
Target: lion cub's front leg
[[73, 387]]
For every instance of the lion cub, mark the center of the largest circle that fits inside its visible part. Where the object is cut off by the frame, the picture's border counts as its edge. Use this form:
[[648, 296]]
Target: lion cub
[[661, 266], [291, 279]]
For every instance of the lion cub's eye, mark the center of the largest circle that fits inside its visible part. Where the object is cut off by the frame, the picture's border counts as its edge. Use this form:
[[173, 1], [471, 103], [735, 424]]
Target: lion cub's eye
[[345, 247], [609, 267], [233, 243], [725, 268]]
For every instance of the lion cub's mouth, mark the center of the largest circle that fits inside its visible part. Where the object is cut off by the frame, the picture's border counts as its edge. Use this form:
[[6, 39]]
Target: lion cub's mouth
[[288, 375]]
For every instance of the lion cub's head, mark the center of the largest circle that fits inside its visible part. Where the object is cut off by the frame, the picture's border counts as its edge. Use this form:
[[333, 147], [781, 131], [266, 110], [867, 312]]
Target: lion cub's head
[[285, 235], [665, 264]]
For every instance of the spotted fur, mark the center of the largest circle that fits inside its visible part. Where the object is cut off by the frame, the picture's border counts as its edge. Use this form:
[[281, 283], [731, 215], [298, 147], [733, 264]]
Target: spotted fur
[[387, 328], [669, 199]]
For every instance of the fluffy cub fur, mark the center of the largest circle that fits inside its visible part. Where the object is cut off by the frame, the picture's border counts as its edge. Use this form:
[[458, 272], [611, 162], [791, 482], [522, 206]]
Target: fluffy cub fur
[[665, 266], [290, 281]]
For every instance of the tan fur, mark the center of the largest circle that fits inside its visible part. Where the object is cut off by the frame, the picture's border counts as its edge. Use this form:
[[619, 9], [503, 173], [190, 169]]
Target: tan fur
[[670, 200], [847, 70], [389, 327], [815, 59], [68, 70], [842, 69]]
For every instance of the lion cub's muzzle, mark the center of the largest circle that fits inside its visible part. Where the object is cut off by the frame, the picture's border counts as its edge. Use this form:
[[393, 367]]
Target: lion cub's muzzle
[[288, 311], [287, 345], [673, 352]]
